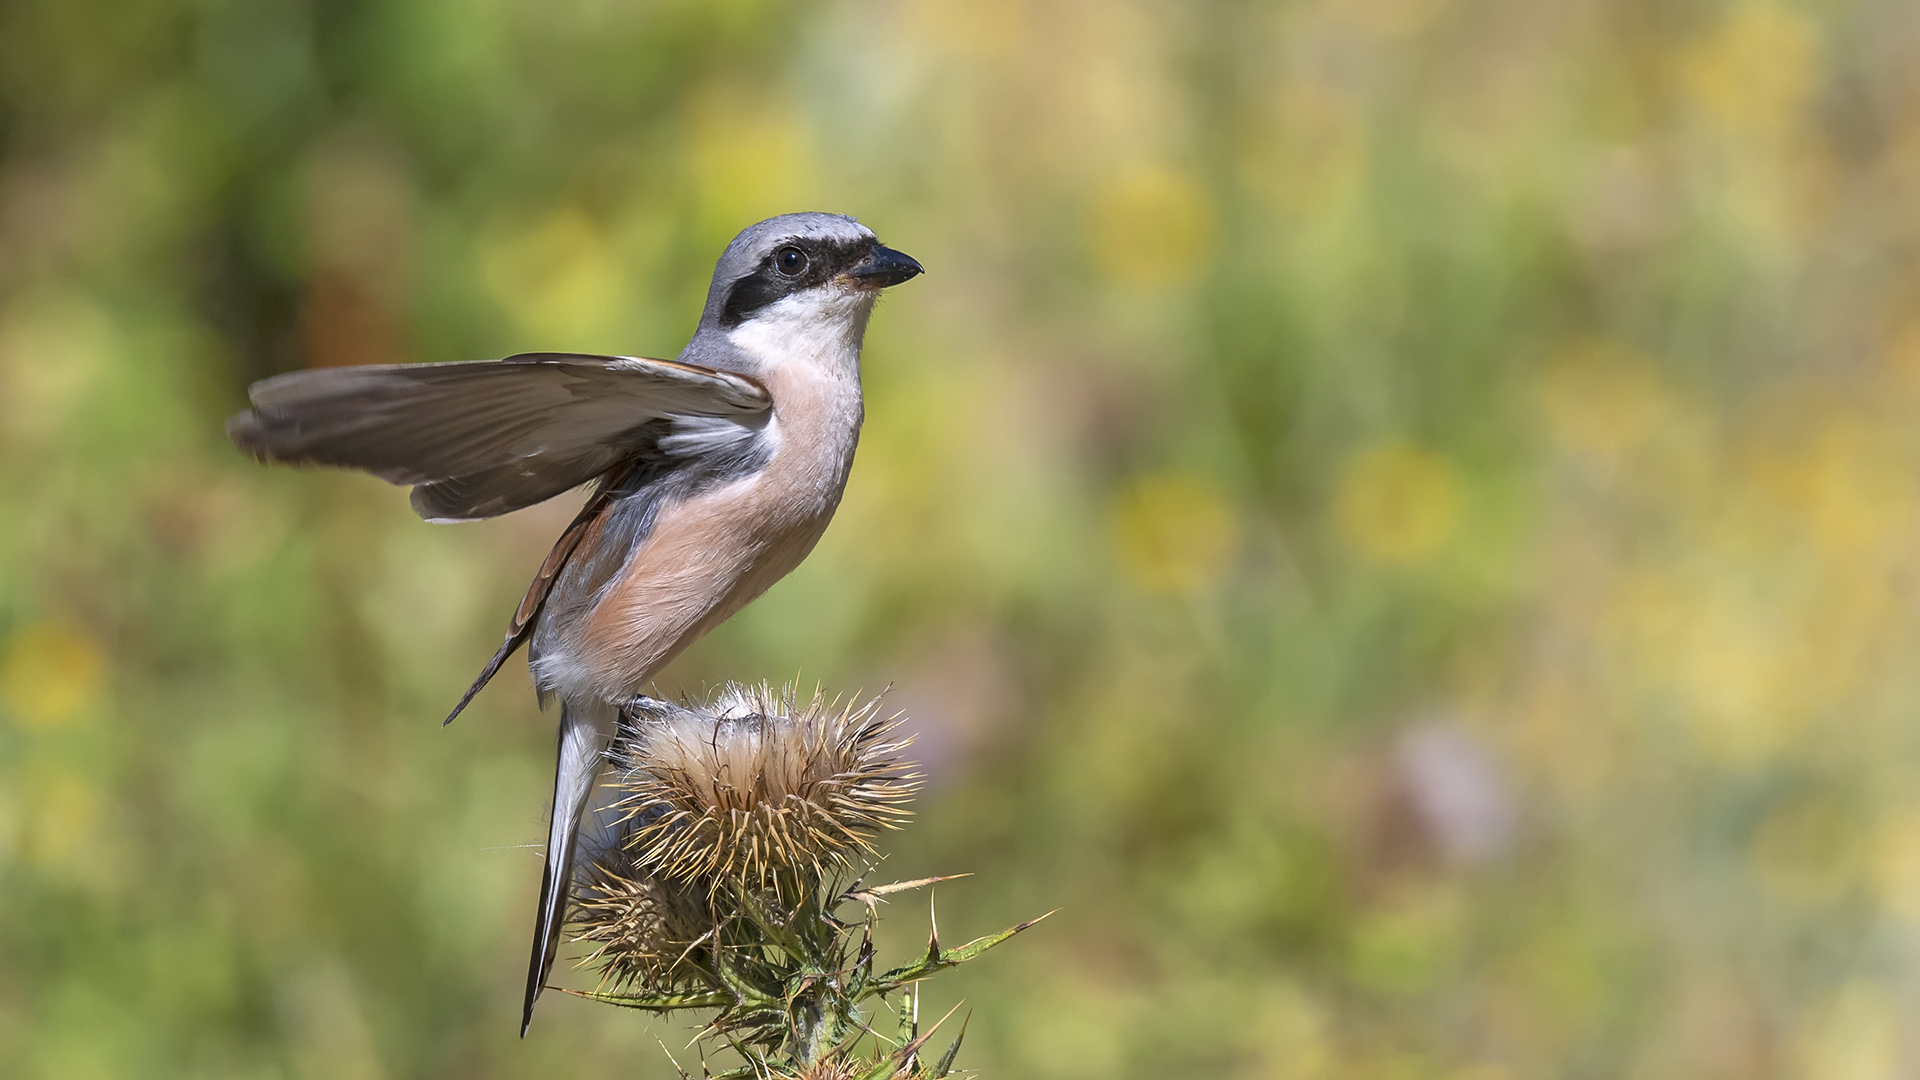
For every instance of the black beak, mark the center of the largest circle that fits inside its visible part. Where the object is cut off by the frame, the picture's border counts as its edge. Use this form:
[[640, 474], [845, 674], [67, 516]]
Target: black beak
[[884, 266]]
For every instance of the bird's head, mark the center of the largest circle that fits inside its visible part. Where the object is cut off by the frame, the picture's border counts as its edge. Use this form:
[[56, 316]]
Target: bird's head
[[804, 275]]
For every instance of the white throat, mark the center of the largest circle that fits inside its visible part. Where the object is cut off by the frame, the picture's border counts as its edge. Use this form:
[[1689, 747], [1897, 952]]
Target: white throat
[[821, 328]]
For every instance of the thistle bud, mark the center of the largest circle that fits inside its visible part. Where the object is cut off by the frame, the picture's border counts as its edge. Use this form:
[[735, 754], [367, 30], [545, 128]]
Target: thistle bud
[[644, 932]]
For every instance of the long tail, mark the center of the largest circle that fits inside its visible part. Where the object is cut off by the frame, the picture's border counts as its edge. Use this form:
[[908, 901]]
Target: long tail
[[585, 730]]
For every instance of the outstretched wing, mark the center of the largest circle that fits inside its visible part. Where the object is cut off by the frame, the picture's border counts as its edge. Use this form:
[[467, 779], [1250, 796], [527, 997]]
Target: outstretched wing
[[483, 438]]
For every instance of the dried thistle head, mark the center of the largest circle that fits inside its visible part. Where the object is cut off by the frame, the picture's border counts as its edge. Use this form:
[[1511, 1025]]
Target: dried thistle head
[[646, 933], [755, 789]]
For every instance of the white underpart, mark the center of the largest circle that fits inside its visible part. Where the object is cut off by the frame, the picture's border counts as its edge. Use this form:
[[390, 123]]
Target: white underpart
[[821, 326], [812, 339]]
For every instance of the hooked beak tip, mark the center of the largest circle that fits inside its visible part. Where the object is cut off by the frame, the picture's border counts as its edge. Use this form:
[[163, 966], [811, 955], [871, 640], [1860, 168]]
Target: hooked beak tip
[[884, 267]]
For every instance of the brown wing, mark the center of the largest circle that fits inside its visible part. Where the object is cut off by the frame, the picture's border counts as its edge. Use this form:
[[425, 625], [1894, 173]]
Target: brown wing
[[479, 439]]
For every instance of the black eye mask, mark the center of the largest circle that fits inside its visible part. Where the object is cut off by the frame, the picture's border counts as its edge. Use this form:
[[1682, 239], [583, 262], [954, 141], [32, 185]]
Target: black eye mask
[[826, 259]]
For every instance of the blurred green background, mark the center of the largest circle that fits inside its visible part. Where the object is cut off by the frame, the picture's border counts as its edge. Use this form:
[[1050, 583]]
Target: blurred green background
[[1401, 518]]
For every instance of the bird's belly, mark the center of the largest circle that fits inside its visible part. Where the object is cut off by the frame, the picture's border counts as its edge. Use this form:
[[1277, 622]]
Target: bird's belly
[[704, 558], [707, 554]]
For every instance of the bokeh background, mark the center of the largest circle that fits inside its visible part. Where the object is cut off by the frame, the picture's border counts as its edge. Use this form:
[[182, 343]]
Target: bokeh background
[[1401, 518]]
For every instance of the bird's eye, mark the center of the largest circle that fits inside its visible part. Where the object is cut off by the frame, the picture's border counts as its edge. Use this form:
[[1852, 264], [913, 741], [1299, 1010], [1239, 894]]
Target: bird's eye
[[790, 260]]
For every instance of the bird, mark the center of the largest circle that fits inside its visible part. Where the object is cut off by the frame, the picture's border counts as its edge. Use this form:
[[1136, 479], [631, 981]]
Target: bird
[[713, 475]]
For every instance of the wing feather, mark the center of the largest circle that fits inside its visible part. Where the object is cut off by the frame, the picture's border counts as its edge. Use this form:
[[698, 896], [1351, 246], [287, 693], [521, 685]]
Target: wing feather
[[482, 438]]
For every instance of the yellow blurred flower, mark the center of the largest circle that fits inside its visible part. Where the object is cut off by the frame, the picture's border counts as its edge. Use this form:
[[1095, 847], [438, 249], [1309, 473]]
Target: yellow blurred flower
[[1754, 75], [1151, 227], [1397, 504], [1843, 480], [1174, 532], [1856, 1036], [49, 676], [1753, 82]]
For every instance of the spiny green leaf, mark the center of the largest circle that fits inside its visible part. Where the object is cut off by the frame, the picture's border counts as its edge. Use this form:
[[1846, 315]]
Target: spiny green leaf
[[935, 960], [655, 1002], [979, 945], [953, 1050]]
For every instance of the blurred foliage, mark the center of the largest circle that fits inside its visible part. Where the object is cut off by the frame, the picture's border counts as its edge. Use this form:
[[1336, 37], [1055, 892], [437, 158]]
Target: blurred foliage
[[1401, 518]]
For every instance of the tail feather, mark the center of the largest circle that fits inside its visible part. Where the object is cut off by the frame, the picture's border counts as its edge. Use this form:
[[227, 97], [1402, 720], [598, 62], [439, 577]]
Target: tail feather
[[585, 730]]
